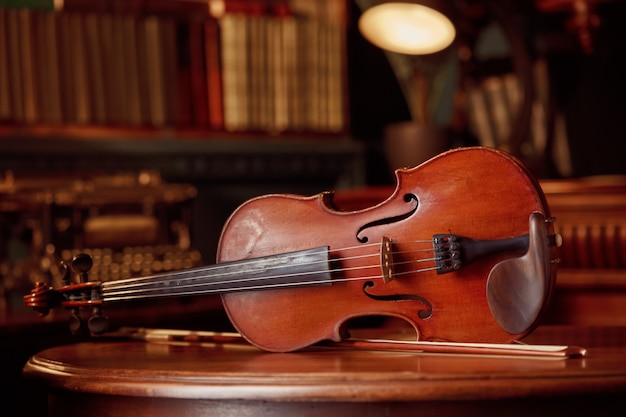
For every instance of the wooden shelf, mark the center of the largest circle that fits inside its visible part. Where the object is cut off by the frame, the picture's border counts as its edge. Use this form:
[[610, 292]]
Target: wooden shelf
[[220, 157]]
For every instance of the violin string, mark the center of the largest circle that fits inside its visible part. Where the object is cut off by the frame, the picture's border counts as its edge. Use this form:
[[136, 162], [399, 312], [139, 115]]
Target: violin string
[[164, 284], [151, 281], [128, 295], [178, 275], [202, 288], [167, 279], [242, 262], [161, 282], [136, 293]]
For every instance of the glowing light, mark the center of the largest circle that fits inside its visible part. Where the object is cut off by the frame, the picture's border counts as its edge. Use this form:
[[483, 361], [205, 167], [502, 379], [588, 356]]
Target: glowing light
[[407, 28]]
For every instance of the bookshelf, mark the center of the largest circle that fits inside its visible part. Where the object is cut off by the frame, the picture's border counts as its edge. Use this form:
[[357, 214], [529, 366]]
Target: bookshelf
[[262, 66], [242, 91]]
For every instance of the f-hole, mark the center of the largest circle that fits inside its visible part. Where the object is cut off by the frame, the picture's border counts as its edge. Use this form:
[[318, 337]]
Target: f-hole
[[423, 314], [408, 198]]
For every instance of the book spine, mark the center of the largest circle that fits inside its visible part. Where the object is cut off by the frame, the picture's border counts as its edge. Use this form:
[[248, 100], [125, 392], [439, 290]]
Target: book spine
[[213, 65], [131, 57], [197, 75], [154, 59], [98, 49], [6, 113]]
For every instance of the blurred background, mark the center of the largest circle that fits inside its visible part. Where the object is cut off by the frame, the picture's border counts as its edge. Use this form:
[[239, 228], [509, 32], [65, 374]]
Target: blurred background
[[130, 130]]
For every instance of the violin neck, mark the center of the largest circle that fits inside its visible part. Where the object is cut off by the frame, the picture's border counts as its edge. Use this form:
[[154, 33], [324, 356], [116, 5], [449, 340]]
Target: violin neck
[[292, 269]]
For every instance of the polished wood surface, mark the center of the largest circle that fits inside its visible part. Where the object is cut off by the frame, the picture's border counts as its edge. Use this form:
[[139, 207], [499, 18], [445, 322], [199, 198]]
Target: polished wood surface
[[122, 378]]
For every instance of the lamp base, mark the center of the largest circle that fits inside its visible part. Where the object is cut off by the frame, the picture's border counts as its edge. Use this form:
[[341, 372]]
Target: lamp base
[[408, 144]]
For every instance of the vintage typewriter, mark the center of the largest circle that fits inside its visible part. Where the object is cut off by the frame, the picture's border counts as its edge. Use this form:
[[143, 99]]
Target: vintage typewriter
[[131, 224]]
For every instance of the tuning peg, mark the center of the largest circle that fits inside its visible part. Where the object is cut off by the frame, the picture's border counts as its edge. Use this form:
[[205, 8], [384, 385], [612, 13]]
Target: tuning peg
[[81, 264], [76, 323], [98, 323], [64, 271]]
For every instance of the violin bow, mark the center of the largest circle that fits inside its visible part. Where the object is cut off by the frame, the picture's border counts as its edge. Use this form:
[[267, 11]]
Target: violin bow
[[192, 337]]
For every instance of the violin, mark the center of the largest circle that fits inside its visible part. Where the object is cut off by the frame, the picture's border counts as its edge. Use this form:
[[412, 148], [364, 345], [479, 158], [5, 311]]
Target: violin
[[463, 250]]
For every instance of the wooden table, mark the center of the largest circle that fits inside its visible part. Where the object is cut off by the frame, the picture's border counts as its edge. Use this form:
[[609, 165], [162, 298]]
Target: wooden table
[[133, 378]]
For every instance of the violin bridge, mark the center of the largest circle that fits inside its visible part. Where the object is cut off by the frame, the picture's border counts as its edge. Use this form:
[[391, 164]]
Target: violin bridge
[[386, 260]]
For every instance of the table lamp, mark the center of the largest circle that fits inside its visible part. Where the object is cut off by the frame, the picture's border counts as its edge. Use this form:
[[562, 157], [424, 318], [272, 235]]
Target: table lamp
[[413, 34], [410, 27]]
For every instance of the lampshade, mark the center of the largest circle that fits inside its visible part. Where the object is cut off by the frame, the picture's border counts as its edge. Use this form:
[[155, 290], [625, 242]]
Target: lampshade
[[407, 27]]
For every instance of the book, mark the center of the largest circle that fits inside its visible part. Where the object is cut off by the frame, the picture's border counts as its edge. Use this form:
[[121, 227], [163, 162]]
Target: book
[[49, 68], [213, 65], [40, 66], [132, 74], [98, 50], [197, 74], [80, 72], [143, 72], [230, 40], [279, 76], [336, 106], [312, 84], [66, 69], [117, 76], [41, 5], [29, 82], [170, 65], [479, 120], [258, 72], [292, 69], [154, 58], [6, 113]]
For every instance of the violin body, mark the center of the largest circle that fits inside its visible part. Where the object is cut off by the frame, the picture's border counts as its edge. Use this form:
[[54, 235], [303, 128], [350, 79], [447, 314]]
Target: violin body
[[463, 250], [476, 192]]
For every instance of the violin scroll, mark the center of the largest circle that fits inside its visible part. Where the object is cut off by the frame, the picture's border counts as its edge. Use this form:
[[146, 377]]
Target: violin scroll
[[42, 298], [73, 296]]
